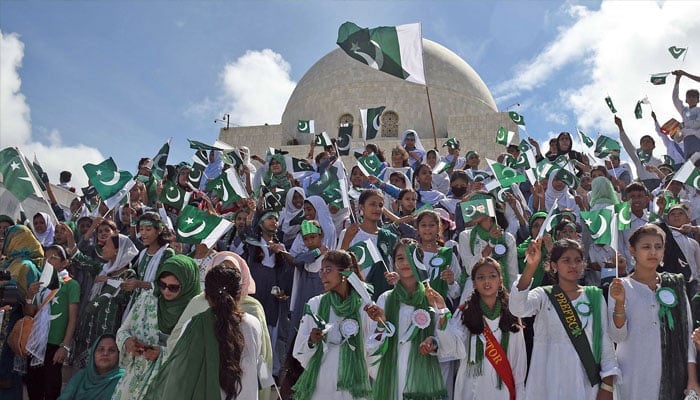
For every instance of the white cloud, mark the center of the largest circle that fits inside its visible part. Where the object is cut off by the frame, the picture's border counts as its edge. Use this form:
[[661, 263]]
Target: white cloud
[[616, 49], [256, 88], [16, 126]]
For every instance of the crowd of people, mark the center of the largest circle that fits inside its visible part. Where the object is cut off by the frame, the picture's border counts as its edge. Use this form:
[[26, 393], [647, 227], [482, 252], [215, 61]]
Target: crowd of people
[[392, 294]]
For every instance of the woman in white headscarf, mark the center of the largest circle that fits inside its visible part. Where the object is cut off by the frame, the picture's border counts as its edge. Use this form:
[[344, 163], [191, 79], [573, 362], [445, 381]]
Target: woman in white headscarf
[[290, 219], [411, 142], [245, 153], [558, 190], [213, 169], [103, 312], [43, 228]]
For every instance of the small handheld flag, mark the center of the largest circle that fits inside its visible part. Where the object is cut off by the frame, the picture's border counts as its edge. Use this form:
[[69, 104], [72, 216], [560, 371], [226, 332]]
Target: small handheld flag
[[609, 102]]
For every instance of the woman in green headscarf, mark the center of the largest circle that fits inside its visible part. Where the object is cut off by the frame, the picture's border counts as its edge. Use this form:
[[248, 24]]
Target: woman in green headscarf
[[403, 339], [99, 378], [277, 178], [143, 335]]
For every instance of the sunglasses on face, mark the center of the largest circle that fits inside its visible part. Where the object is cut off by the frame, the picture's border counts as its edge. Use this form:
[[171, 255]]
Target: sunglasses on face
[[171, 288]]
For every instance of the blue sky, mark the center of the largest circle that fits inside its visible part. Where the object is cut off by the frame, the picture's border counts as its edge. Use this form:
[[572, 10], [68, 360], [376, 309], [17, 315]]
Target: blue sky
[[84, 80]]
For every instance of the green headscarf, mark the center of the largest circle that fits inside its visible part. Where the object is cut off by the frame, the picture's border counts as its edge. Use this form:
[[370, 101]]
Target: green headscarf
[[185, 270], [192, 370], [423, 378], [603, 192], [280, 179], [88, 384]]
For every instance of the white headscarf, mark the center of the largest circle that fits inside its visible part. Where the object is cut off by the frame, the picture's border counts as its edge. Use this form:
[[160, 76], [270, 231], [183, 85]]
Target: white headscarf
[[246, 160], [46, 238], [323, 216], [125, 253], [566, 199], [419, 146], [289, 212]]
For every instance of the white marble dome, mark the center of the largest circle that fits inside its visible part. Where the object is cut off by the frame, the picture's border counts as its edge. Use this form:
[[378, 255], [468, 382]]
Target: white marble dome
[[337, 86]]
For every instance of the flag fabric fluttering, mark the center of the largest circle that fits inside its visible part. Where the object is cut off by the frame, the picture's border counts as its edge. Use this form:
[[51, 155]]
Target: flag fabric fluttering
[[605, 146], [676, 52], [395, 50], [198, 226], [473, 209], [517, 118], [344, 140], [609, 102], [599, 223], [323, 140], [367, 254], [228, 187], [160, 161], [298, 167], [306, 126], [659, 79], [688, 174], [370, 122], [643, 155], [16, 175], [568, 177], [638, 110], [173, 195], [623, 212], [504, 136], [111, 184], [505, 174], [196, 145], [370, 165]]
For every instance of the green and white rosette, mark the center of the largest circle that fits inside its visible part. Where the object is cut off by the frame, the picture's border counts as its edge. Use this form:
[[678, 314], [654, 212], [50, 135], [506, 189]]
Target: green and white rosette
[[419, 320], [667, 299], [349, 328], [584, 310]]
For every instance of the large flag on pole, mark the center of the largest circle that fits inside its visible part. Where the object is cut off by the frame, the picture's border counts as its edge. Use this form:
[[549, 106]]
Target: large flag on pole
[[16, 175], [370, 122], [396, 50], [111, 184]]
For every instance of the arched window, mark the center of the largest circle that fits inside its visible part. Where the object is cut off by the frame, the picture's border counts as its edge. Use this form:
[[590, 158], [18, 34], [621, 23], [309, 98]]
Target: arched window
[[390, 124], [346, 120]]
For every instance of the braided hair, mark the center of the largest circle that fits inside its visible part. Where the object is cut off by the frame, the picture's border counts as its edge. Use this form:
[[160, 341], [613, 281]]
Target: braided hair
[[222, 287]]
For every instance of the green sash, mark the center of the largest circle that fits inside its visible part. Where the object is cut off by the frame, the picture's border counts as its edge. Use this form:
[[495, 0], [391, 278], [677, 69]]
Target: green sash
[[573, 327]]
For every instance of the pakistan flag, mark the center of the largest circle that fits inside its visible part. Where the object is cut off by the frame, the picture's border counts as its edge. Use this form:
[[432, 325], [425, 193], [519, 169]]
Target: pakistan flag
[[198, 226], [111, 184], [396, 50], [15, 176]]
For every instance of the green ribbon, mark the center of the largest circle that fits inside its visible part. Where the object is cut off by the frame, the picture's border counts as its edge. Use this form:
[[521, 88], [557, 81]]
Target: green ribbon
[[308, 227], [667, 299]]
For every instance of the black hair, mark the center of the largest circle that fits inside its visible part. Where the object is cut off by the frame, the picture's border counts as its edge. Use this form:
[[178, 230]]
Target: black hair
[[65, 176], [222, 286], [473, 316], [692, 93], [376, 150], [164, 235], [646, 229], [636, 187], [366, 194], [344, 260]]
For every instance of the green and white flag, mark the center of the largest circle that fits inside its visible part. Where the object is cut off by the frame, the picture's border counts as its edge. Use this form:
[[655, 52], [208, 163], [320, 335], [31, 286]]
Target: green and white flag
[[298, 167], [668, 160], [196, 145], [173, 195], [196, 174], [547, 225], [688, 175], [111, 184], [367, 254], [544, 168], [585, 139], [609, 102], [677, 51], [344, 140], [517, 118], [504, 136], [16, 175], [370, 165], [659, 79], [37, 171], [624, 215], [644, 156], [322, 139], [336, 193], [329, 177], [442, 166], [599, 223], [228, 187], [568, 177], [638, 110], [527, 161], [505, 175], [396, 50], [160, 161], [452, 143], [604, 146], [370, 122], [473, 209], [198, 226], [306, 126]]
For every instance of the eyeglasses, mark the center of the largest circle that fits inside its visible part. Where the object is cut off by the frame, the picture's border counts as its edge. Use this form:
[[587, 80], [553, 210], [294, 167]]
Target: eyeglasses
[[171, 288]]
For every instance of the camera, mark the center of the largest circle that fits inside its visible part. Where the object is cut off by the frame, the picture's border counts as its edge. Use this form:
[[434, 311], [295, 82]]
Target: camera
[[9, 293]]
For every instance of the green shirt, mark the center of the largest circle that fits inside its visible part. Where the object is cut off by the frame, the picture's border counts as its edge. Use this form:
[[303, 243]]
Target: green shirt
[[68, 294]]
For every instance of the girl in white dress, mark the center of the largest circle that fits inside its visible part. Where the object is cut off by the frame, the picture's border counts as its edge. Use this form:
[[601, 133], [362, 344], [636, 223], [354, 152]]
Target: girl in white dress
[[403, 338], [651, 324], [330, 342], [466, 337], [559, 368]]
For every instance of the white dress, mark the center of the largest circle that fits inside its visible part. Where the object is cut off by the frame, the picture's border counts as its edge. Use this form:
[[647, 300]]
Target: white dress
[[326, 384], [252, 335], [453, 342], [469, 259], [556, 371], [403, 347], [639, 343]]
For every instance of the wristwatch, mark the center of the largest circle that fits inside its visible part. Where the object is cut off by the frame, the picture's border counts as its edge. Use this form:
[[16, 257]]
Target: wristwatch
[[66, 348]]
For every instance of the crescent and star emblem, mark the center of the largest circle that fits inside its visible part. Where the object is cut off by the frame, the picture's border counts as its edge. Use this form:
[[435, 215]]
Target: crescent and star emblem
[[302, 126], [114, 179], [344, 142], [361, 256], [469, 211], [623, 220], [171, 199], [375, 122], [199, 229], [376, 62], [602, 229]]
